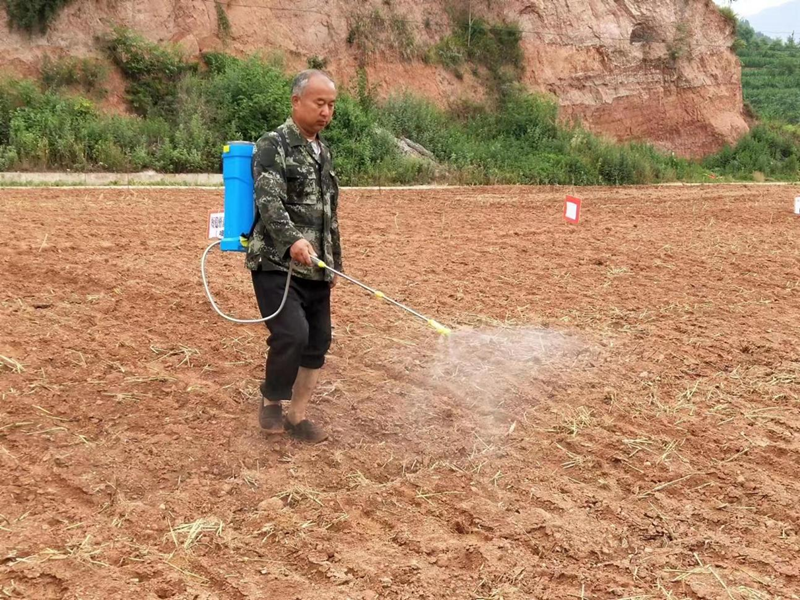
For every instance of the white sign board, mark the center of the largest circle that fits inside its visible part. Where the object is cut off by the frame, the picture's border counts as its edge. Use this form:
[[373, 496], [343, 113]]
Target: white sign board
[[216, 225], [572, 211]]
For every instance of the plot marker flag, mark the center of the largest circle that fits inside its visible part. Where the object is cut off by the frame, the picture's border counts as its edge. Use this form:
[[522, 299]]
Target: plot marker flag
[[572, 209]]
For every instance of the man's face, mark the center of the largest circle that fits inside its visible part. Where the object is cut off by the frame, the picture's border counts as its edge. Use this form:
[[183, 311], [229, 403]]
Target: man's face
[[312, 110]]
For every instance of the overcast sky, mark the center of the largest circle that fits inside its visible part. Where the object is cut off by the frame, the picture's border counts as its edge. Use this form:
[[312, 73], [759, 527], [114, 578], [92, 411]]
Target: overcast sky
[[746, 8]]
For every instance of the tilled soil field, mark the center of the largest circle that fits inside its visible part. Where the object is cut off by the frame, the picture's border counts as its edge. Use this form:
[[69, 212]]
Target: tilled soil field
[[617, 414]]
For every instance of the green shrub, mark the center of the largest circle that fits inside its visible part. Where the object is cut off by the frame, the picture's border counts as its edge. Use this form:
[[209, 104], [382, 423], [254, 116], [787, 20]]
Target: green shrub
[[217, 62], [528, 118], [51, 132], [315, 62], [92, 75], [59, 73], [243, 101], [448, 52], [730, 17], [770, 149], [33, 16], [375, 31], [8, 158], [152, 71], [493, 46], [109, 156], [89, 74], [46, 130], [223, 22], [679, 45], [365, 93], [14, 95], [359, 147]]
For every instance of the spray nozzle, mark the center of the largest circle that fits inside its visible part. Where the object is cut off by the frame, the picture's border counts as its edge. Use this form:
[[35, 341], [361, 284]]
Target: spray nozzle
[[441, 329]]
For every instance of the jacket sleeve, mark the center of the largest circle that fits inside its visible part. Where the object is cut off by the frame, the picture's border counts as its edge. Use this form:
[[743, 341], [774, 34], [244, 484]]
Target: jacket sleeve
[[335, 237], [269, 177]]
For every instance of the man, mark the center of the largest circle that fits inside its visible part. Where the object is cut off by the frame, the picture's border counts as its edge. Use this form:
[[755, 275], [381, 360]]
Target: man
[[297, 194]]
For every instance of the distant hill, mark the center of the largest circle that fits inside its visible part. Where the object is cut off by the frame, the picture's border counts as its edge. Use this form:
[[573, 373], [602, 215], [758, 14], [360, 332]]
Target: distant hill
[[626, 70], [784, 18]]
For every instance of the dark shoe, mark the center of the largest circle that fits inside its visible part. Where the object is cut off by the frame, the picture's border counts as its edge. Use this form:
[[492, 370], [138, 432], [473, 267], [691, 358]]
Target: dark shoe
[[270, 416], [306, 431]]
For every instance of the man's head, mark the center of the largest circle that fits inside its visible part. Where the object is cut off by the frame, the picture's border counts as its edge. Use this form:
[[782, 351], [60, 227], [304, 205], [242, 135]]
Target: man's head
[[313, 99]]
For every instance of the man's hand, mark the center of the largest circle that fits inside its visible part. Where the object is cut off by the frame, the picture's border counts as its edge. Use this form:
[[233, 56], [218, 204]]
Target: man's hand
[[301, 252], [335, 281]]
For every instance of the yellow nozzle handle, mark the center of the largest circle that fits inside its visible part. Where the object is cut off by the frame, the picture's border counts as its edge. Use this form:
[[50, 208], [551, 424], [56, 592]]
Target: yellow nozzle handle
[[321, 264], [380, 295], [439, 327]]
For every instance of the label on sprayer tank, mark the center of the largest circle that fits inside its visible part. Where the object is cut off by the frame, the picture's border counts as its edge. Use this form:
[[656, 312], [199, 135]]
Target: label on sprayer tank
[[216, 225]]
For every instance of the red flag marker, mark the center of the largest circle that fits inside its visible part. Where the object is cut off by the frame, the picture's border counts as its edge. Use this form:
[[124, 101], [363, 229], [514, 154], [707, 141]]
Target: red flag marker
[[572, 210]]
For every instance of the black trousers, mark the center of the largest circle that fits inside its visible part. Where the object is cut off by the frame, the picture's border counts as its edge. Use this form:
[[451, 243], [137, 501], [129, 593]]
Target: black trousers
[[300, 335]]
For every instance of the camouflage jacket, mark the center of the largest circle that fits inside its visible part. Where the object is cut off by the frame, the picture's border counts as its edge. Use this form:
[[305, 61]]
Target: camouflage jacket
[[297, 195]]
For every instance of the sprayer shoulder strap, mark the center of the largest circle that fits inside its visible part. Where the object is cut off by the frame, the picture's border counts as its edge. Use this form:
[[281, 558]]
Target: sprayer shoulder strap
[[285, 146]]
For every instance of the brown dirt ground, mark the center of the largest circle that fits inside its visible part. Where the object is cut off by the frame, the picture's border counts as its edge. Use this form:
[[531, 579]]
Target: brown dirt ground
[[622, 421]]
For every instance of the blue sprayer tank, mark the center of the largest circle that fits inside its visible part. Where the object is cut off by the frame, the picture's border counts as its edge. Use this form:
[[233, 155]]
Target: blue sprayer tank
[[240, 206]]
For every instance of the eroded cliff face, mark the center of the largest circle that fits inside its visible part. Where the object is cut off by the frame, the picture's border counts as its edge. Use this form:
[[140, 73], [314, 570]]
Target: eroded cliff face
[[655, 70]]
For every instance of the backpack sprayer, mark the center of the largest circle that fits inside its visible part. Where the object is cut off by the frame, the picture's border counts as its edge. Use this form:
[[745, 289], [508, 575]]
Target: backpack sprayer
[[240, 214]]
